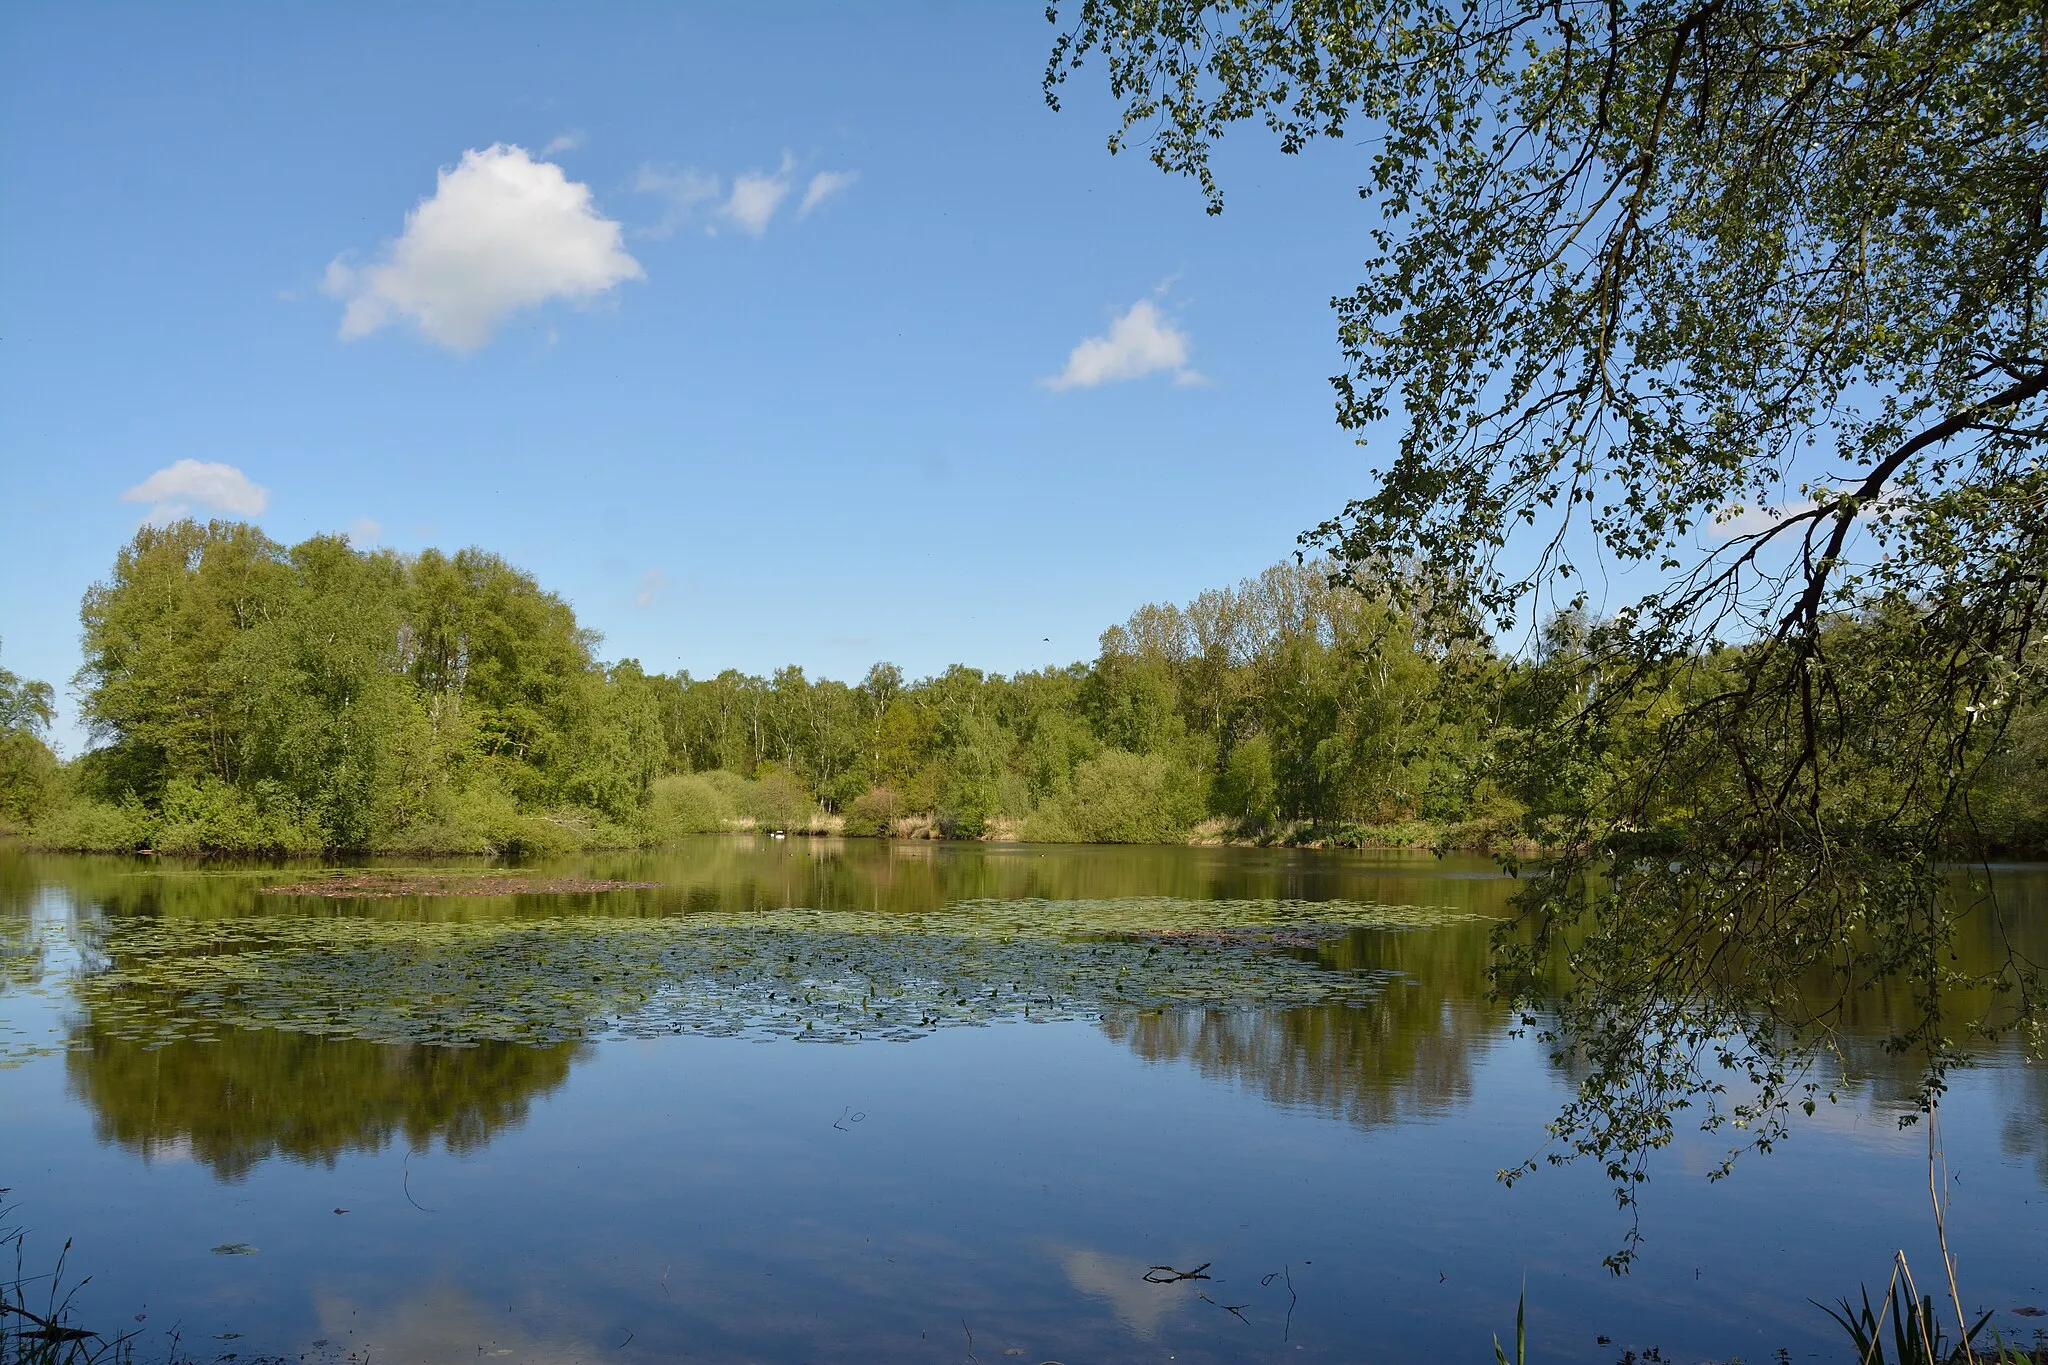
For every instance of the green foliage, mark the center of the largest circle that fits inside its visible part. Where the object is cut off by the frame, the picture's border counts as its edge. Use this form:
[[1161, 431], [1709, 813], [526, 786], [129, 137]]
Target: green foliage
[[84, 823], [1916, 1329], [776, 800], [208, 815], [29, 778], [1500, 1355], [689, 803], [1122, 798], [1245, 791], [448, 704], [873, 813], [1738, 307]]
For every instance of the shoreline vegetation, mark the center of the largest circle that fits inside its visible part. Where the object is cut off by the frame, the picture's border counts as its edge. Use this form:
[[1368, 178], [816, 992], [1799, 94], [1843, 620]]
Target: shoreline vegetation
[[247, 697]]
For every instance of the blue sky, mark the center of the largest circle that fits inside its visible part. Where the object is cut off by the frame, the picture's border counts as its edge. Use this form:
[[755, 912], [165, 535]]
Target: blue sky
[[994, 389]]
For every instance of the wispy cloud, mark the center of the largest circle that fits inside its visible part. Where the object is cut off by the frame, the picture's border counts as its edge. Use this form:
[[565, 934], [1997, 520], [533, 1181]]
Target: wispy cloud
[[1140, 342], [823, 186], [750, 203], [563, 142], [652, 584], [755, 197], [179, 489], [364, 532], [683, 192], [501, 232]]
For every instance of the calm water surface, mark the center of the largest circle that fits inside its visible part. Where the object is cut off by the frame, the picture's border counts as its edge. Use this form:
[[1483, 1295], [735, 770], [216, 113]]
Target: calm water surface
[[1029, 1103]]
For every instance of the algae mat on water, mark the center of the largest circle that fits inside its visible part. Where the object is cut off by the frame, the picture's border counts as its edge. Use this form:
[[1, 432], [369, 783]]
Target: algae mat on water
[[836, 976]]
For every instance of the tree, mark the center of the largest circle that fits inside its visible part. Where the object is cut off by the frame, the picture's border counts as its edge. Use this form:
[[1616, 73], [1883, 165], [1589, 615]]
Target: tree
[[1741, 302], [28, 770]]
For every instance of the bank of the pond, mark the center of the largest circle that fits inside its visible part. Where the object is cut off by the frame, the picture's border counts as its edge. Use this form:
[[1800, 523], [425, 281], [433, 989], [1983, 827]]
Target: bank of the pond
[[135, 832]]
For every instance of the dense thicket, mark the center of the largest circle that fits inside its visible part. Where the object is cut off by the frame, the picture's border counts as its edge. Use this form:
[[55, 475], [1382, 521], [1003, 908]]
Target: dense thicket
[[245, 695]]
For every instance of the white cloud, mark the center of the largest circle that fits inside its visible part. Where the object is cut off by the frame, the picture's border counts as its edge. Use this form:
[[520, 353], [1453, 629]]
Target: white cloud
[[563, 142], [500, 233], [1751, 521], [1139, 343], [652, 583], [178, 489], [750, 204], [364, 532], [683, 188], [755, 197], [1733, 524], [823, 186]]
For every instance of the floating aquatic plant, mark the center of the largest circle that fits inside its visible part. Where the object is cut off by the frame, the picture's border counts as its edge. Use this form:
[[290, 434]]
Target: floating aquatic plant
[[811, 974]]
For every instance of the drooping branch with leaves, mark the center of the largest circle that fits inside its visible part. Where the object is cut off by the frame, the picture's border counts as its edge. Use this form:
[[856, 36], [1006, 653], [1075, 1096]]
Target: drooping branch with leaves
[[1728, 312]]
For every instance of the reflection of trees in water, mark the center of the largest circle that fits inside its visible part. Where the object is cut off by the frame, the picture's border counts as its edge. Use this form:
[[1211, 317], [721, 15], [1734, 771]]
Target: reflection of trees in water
[[2024, 1090], [250, 1095], [1408, 1052], [876, 875], [1991, 934], [738, 872]]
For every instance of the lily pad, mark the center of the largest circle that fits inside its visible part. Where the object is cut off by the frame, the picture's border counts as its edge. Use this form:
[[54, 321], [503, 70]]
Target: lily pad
[[838, 976]]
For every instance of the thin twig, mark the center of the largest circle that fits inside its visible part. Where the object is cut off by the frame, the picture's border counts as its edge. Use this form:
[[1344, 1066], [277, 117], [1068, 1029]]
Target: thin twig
[[405, 1183]]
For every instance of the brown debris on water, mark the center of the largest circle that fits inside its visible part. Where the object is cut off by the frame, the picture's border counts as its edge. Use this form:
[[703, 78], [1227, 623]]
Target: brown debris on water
[[389, 886]]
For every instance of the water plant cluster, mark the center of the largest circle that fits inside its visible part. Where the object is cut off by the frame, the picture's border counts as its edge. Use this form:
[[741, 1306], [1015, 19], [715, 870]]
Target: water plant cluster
[[820, 975]]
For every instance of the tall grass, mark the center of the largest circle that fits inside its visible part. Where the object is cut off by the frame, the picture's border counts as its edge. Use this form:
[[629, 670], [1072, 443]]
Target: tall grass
[[38, 1324]]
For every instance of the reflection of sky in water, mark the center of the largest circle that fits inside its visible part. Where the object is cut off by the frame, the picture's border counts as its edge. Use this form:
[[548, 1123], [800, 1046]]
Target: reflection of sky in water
[[688, 1197]]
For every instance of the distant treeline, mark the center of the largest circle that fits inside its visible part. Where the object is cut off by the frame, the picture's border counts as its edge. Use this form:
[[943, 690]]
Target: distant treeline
[[242, 695]]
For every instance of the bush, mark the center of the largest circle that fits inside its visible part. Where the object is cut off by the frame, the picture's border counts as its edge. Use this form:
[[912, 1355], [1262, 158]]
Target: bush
[[873, 813], [779, 802], [83, 825], [1122, 798], [689, 803], [212, 816], [1247, 792], [31, 781]]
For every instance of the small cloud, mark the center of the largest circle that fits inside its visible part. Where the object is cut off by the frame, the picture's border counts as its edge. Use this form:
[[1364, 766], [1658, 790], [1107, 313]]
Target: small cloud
[[501, 232], [652, 584], [755, 197], [563, 142], [179, 489], [1735, 523], [823, 186], [684, 189], [364, 532], [1139, 343], [287, 296]]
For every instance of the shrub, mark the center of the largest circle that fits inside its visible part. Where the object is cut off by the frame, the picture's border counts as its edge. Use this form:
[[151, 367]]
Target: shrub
[[1247, 792], [85, 825], [779, 802], [874, 812], [213, 816], [1122, 798], [31, 781], [689, 803]]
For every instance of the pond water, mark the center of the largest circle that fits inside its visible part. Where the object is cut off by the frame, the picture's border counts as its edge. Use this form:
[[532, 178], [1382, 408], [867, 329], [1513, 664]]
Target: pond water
[[809, 1101]]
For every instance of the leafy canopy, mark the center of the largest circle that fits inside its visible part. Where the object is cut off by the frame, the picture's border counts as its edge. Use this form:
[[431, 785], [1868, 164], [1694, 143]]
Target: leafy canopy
[[1739, 299]]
